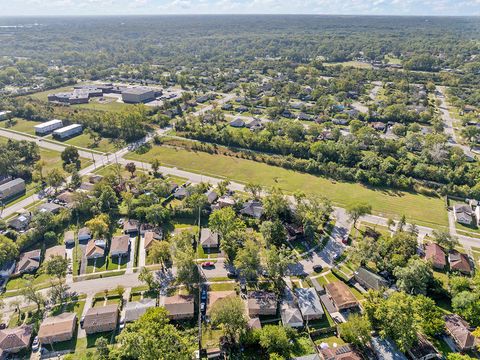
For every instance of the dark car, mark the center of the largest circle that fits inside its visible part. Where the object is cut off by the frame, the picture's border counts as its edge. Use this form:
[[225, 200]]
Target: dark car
[[203, 294], [318, 268], [232, 275], [3, 326]]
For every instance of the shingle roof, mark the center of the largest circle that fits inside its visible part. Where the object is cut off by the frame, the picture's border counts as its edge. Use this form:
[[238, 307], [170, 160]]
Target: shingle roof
[[370, 279], [119, 244], [290, 314], [30, 259], [135, 309], [208, 238], [435, 253], [459, 262], [15, 338], [459, 329], [102, 315], [57, 325], [341, 294], [179, 305], [93, 249], [149, 239], [309, 302], [58, 250]]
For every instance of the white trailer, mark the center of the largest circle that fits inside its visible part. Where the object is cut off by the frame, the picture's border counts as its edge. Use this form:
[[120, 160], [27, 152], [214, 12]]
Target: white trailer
[[68, 131], [48, 127]]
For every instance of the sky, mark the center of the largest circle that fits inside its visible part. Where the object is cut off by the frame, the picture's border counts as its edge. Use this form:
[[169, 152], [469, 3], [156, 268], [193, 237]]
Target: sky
[[167, 7]]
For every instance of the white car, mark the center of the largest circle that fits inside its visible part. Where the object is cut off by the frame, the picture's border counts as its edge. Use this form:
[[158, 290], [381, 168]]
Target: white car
[[35, 344]]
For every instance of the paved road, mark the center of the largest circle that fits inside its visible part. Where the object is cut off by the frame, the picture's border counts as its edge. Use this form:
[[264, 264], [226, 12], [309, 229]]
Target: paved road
[[448, 122]]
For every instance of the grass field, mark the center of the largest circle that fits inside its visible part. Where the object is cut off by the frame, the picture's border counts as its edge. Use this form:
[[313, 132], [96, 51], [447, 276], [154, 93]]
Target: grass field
[[84, 141], [354, 64], [22, 125], [387, 203]]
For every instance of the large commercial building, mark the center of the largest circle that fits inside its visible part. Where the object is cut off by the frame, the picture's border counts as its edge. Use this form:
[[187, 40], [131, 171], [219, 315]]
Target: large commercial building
[[68, 131], [138, 95], [48, 127], [12, 188]]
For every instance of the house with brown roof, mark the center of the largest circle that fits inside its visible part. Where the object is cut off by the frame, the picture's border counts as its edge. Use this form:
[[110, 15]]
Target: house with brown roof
[[101, 319], [459, 262], [130, 227], [95, 249], [69, 238], [13, 340], [423, 350], [179, 307], [29, 262], [341, 295], [262, 303], [53, 251], [67, 197], [149, 239], [120, 245], [208, 239], [57, 328], [435, 254], [344, 352], [458, 330]]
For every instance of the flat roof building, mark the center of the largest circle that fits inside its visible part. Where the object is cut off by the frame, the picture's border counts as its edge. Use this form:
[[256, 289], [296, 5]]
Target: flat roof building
[[137, 95], [68, 131], [12, 188], [48, 127]]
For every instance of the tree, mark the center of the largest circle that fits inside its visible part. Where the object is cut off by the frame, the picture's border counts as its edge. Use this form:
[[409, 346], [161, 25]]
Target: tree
[[275, 339], [223, 187], [428, 317], [445, 240], [120, 290], [157, 214], [229, 314], [275, 205], [106, 198], [102, 349], [128, 201], [99, 225], [277, 261], [148, 278], [56, 266], [31, 294], [55, 179], [75, 180], [131, 168], [39, 167], [8, 249], [273, 232], [356, 211], [160, 253], [184, 259], [458, 283], [357, 330], [196, 202], [70, 156], [254, 189], [155, 166], [248, 259], [394, 316], [457, 356], [415, 277], [153, 337], [231, 229], [467, 305]]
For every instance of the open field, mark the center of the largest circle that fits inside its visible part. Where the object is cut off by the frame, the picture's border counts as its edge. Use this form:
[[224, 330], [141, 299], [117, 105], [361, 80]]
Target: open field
[[354, 64], [22, 125], [388, 203], [84, 141]]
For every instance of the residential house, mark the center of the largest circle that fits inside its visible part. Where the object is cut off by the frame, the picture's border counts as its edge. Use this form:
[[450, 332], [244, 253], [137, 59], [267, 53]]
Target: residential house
[[254, 323], [57, 328], [101, 319], [95, 249], [435, 254], [308, 357], [386, 349], [49, 208], [120, 245], [459, 331], [253, 123], [344, 352], [459, 262], [69, 238], [209, 239], [29, 262], [135, 309], [58, 250], [130, 227], [7, 269], [149, 239], [84, 234], [12, 188], [423, 350], [181, 193], [225, 200], [262, 303], [369, 280], [341, 295], [20, 222], [211, 196], [463, 214], [290, 315], [309, 304], [67, 198], [238, 123], [379, 126], [179, 307], [13, 340], [252, 208], [94, 178]]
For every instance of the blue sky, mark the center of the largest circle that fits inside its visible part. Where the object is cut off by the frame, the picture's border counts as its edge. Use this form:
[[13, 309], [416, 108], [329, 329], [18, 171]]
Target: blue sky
[[127, 7]]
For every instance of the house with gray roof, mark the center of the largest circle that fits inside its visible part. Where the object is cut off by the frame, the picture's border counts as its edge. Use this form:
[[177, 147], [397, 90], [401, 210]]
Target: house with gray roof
[[135, 309], [370, 280], [309, 304], [463, 214]]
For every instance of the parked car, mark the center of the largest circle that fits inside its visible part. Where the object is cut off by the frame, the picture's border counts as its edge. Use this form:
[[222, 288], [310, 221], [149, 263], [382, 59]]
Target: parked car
[[35, 344], [232, 275], [318, 268], [202, 307], [203, 294], [3, 326], [207, 264]]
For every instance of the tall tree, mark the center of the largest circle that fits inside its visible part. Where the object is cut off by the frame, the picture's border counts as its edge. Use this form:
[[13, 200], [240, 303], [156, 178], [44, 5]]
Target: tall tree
[[248, 259], [415, 277], [160, 253], [229, 314], [70, 156], [356, 211], [357, 330]]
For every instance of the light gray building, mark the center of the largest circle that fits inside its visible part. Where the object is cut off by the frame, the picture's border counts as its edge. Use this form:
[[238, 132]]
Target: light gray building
[[309, 303], [68, 131], [138, 95], [12, 188], [48, 127]]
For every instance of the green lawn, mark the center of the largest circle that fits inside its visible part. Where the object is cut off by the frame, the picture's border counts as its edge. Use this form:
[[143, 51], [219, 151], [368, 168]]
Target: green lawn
[[40, 281], [113, 263], [387, 203], [84, 141], [100, 265], [22, 125], [354, 64]]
